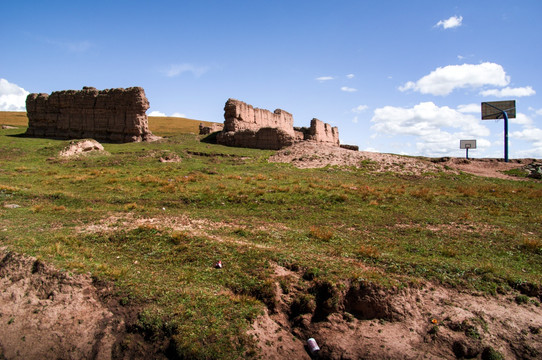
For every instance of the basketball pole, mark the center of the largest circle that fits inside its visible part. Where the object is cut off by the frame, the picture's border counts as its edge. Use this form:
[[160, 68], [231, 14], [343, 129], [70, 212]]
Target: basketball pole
[[505, 115], [502, 108]]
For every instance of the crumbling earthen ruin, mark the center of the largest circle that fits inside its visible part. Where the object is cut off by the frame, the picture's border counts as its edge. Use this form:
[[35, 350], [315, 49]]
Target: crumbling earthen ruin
[[319, 132], [116, 115], [209, 129], [246, 126]]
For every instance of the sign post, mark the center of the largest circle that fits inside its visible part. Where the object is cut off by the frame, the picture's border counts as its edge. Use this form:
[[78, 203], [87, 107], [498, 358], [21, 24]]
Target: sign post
[[500, 110], [467, 144]]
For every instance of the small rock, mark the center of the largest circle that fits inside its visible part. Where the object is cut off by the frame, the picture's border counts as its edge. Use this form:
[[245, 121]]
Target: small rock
[[12, 206]]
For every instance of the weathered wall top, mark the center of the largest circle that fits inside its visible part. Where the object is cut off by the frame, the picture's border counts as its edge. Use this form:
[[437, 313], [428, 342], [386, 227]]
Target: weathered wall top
[[117, 115], [321, 132], [241, 116], [246, 126]]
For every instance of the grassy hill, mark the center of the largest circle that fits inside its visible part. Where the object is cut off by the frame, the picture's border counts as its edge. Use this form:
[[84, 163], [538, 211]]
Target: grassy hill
[[155, 229], [165, 125]]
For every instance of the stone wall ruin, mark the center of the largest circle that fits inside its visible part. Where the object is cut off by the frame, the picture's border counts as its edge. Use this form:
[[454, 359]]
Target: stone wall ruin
[[246, 126], [116, 115]]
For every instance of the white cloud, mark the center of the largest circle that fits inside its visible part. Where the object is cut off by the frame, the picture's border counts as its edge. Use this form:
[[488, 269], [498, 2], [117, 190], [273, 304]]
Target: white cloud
[[12, 96], [529, 134], [470, 108], [161, 114], [539, 112], [450, 23], [444, 80], [355, 120], [178, 69], [157, 113], [509, 92], [521, 119], [448, 145], [359, 109], [348, 89], [438, 129], [350, 76], [325, 78]]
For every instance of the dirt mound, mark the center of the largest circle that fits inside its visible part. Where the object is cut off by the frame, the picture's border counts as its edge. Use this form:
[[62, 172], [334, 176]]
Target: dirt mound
[[364, 321], [485, 167], [315, 155], [49, 314], [79, 147]]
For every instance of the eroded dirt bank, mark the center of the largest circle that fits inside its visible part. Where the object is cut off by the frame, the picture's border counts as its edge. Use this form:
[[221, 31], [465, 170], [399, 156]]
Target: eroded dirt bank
[[49, 314], [364, 321], [46, 313]]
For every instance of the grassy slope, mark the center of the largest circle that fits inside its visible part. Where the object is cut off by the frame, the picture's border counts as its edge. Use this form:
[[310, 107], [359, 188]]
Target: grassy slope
[[332, 224]]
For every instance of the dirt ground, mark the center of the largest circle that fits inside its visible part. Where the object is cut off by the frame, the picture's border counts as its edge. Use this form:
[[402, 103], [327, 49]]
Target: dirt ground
[[49, 314], [46, 313], [315, 155], [425, 321]]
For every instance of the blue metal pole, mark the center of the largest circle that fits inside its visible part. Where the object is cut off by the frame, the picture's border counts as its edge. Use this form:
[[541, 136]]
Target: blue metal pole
[[505, 136]]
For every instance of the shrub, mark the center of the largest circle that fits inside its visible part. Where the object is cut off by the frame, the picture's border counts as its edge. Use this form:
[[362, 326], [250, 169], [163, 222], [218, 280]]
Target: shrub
[[368, 251], [321, 233], [532, 244]]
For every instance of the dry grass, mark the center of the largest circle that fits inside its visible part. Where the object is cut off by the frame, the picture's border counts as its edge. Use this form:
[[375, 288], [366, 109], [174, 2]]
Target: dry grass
[[321, 233], [174, 125], [157, 124], [13, 118]]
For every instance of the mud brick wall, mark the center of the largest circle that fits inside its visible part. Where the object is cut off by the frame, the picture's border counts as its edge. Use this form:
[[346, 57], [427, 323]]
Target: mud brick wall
[[246, 126], [116, 115]]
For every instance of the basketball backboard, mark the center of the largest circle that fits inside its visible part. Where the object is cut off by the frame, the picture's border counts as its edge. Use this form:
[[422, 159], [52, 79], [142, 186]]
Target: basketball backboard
[[467, 144], [494, 109]]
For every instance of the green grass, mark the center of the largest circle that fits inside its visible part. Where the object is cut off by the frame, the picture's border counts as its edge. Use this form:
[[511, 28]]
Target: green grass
[[230, 204]]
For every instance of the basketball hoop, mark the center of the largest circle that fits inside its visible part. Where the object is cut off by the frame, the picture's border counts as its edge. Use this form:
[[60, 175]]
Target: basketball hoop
[[500, 110], [467, 144]]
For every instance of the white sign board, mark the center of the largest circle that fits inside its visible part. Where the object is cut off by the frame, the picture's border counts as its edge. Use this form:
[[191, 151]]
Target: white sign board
[[467, 144]]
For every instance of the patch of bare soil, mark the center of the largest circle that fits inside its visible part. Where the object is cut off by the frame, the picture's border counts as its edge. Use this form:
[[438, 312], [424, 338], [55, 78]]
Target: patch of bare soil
[[309, 154], [367, 322], [80, 147], [487, 167], [46, 313], [315, 155], [127, 222], [49, 314]]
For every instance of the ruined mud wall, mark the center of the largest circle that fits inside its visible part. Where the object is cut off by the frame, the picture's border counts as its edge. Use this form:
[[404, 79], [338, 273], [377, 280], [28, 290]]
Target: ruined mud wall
[[116, 115], [209, 129], [241, 116], [246, 126], [320, 132]]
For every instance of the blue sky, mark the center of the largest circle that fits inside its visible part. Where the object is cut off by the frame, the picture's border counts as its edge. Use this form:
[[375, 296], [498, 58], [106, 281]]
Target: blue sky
[[403, 77]]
